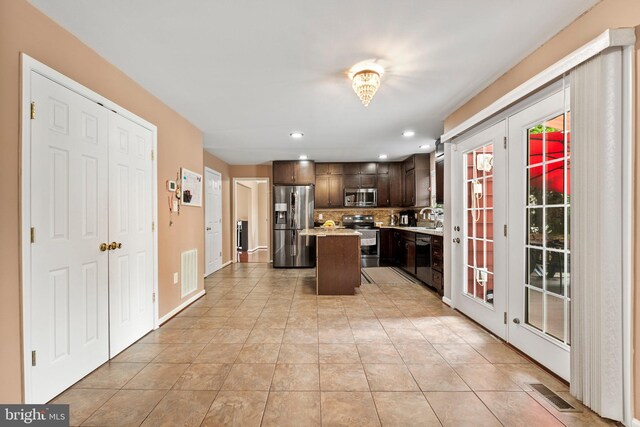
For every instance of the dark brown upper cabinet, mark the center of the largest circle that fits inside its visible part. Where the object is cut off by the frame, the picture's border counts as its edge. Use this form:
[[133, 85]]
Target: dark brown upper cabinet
[[329, 168], [351, 168], [383, 168], [370, 168], [360, 181], [301, 172], [417, 181], [440, 180], [384, 194], [396, 184], [329, 193], [322, 169]]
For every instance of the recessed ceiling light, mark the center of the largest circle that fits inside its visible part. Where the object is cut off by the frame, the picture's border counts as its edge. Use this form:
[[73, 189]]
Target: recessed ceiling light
[[382, 156], [303, 157], [296, 135], [408, 133], [424, 147]]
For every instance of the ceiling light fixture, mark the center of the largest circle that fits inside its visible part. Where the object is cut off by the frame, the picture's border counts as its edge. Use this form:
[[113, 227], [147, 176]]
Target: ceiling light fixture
[[303, 157], [365, 80], [382, 156], [408, 133], [424, 147], [296, 135]]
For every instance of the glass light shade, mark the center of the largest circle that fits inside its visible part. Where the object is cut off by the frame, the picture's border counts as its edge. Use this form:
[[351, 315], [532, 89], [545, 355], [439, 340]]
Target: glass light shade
[[365, 84]]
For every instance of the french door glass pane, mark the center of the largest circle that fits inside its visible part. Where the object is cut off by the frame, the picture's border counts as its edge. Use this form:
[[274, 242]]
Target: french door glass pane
[[547, 275], [478, 236], [534, 313]]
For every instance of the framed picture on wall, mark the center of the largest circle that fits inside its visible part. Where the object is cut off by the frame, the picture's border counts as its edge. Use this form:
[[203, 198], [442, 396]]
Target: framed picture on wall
[[191, 188]]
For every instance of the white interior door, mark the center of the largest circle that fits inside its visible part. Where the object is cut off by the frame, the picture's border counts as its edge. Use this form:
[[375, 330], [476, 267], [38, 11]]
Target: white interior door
[[539, 209], [213, 221], [69, 273], [479, 214], [130, 231]]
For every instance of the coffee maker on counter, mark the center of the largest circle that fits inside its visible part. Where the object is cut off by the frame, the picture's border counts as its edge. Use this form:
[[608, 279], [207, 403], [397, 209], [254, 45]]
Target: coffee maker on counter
[[408, 218]]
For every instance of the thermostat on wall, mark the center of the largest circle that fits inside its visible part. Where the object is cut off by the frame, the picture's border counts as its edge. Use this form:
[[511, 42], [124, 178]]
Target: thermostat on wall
[[171, 186]]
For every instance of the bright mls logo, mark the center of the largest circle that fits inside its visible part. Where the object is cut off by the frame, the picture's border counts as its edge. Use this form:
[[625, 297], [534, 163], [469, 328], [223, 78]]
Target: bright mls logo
[[34, 415]]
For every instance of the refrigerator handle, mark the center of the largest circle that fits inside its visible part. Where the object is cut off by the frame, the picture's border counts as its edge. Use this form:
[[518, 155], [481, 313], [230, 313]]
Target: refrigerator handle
[[294, 243], [293, 210]]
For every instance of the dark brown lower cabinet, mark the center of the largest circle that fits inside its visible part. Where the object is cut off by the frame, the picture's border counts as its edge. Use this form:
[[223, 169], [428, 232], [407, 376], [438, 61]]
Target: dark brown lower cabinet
[[386, 246], [437, 263], [405, 251], [399, 248], [337, 264]]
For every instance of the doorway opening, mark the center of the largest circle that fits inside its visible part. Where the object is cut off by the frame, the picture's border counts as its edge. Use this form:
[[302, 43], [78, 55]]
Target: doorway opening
[[251, 220]]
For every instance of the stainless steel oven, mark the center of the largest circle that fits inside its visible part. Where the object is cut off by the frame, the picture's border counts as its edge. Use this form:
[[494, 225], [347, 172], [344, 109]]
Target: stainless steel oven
[[360, 197], [369, 238]]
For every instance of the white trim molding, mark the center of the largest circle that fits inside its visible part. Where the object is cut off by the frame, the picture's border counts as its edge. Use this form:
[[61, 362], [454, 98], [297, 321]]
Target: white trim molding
[[182, 306], [610, 38], [447, 301]]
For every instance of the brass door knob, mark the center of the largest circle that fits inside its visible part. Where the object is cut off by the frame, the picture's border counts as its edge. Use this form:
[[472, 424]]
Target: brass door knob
[[103, 247], [113, 246], [119, 246]]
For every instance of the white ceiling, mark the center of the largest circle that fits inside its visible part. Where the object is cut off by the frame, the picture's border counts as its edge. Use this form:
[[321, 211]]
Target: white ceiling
[[247, 73]]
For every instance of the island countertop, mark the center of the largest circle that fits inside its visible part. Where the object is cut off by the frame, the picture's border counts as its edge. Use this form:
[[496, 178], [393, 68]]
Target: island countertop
[[338, 232]]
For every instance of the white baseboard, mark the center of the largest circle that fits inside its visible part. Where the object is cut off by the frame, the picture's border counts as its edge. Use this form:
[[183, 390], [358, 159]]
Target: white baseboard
[[446, 301], [635, 423], [179, 308], [221, 267]]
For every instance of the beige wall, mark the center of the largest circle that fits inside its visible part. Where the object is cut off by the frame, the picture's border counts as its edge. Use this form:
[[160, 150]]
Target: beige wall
[[243, 204], [25, 29], [606, 14]]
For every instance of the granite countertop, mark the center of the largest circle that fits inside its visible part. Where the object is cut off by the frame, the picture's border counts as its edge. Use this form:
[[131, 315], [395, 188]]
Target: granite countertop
[[329, 232], [420, 230]]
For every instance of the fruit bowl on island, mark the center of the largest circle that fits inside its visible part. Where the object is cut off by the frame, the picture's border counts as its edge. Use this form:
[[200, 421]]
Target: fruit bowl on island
[[329, 225]]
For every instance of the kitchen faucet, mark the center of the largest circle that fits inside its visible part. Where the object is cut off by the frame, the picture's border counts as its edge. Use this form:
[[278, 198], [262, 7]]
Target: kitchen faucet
[[434, 211]]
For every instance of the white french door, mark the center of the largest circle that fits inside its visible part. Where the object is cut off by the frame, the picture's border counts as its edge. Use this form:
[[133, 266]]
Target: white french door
[[69, 320], [518, 286], [539, 210], [213, 221], [479, 213], [130, 222], [91, 258]]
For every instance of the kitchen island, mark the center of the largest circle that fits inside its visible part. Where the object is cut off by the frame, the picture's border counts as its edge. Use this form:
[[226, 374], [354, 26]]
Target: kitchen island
[[337, 260]]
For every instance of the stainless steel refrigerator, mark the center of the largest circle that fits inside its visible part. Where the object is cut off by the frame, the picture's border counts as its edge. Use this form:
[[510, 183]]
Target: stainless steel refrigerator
[[292, 213]]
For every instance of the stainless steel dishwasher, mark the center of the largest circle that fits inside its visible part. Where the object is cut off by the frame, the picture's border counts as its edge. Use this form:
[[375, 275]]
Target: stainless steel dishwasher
[[423, 258]]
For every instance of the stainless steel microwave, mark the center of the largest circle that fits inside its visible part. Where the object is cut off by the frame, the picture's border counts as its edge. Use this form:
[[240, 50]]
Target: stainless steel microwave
[[361, 197]]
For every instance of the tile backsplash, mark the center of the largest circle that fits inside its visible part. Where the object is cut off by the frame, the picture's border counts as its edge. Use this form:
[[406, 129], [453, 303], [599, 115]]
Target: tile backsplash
[[380, 214]]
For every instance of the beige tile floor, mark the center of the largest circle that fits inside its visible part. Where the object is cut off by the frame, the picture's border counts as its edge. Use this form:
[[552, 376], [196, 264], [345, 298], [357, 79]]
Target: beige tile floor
[[262, 349]]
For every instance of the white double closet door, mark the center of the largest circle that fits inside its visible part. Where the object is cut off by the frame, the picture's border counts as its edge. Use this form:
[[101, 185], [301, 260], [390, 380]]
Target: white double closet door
[[91, 184]]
